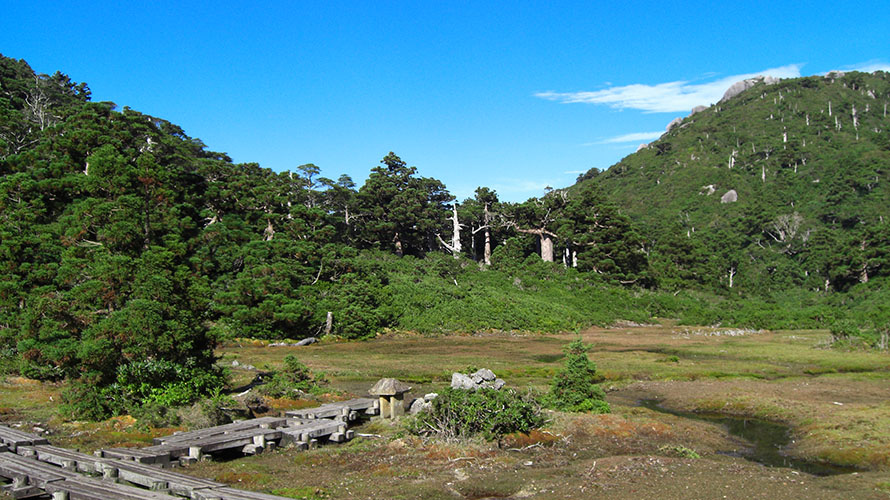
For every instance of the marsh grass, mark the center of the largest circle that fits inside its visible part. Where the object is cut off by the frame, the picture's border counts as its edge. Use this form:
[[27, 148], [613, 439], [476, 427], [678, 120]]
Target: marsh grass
[[779, 376]]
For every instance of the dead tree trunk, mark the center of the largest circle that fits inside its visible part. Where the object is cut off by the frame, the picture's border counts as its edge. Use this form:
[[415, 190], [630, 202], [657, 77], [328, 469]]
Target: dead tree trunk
[[455, 245], [546, 238], [863, 271], [455, 232], [397, 241], [486, 251]]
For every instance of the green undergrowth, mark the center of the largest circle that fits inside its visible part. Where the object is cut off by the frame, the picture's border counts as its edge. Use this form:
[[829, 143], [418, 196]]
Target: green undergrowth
[[461, 414]]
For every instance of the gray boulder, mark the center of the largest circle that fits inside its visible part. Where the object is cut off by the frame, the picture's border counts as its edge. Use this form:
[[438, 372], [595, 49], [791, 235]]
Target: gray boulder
[[730, 196], [422, 404], [461, 381], [481, 379], [673, 123], [698, 109], [416, 407], [739, 87], [484, 374]]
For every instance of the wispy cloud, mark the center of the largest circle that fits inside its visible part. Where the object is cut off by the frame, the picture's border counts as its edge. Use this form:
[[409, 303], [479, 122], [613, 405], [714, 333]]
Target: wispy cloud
[[868, 66], [635, 137], [668, 97]]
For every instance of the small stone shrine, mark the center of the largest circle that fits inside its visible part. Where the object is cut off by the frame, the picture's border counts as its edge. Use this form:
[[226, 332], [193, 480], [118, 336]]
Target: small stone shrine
[[392, 397]]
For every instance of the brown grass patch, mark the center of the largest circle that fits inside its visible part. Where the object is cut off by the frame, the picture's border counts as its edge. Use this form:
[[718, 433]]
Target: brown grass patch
[[534, 437]]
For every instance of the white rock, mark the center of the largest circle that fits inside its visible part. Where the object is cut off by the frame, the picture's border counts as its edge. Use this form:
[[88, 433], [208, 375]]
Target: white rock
[[673, 123], [484, 374], [461, 381], [739, 87], [730, 196]]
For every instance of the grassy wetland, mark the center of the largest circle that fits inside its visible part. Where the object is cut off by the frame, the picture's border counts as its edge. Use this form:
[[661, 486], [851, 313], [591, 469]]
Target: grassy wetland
[[835, 404]]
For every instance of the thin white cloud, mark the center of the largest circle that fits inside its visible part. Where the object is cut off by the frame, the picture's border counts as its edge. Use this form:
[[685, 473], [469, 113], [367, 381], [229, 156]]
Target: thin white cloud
[[868, 67], [635, 137], [668, 97]]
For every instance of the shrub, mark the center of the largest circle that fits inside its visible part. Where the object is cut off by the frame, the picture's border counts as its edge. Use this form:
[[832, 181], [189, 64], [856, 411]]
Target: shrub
[[843, 330], [460, 414], [294, 377], [155, 384], [575, 387], [154, 414]]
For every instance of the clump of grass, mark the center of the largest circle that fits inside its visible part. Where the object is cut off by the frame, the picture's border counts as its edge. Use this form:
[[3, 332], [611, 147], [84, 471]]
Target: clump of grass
[[535, 437], [678, 450]]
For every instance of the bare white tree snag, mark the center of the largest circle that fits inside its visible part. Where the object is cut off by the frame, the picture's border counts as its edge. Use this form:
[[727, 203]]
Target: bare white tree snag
[[455, 235], [37, 103], [546, 238], [269, 232], [863, 272], [455, 245], [329, 323], [488, 219], [397, 241], [547, 247], [829, 108], [732, 273]]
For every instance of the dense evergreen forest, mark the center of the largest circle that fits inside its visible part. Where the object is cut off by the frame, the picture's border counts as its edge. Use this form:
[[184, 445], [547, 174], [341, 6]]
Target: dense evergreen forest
[[129, 250]]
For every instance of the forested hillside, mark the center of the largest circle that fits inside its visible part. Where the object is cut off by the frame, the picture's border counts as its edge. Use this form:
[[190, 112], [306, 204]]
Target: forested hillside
[[785, 185], [128, 250]]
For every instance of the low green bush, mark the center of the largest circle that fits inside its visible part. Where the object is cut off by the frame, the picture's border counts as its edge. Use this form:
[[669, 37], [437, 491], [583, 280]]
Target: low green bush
[[461, 414], [144, 387], [294, 377]]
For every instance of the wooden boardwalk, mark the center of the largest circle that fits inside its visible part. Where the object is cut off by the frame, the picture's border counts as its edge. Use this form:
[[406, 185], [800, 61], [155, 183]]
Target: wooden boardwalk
[[35, 468]]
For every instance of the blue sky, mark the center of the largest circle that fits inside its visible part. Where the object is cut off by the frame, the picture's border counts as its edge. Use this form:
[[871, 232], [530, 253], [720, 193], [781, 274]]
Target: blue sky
[[511, 95]]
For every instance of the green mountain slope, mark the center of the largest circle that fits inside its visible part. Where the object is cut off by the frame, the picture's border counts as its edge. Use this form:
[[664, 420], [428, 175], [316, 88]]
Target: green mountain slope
[[808, 160]]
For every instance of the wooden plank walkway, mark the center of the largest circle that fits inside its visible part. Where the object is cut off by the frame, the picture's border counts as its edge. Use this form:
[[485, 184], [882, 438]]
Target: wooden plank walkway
[[13, 438], [30, 475], [254, 423], [347, 410], [36, 468]]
